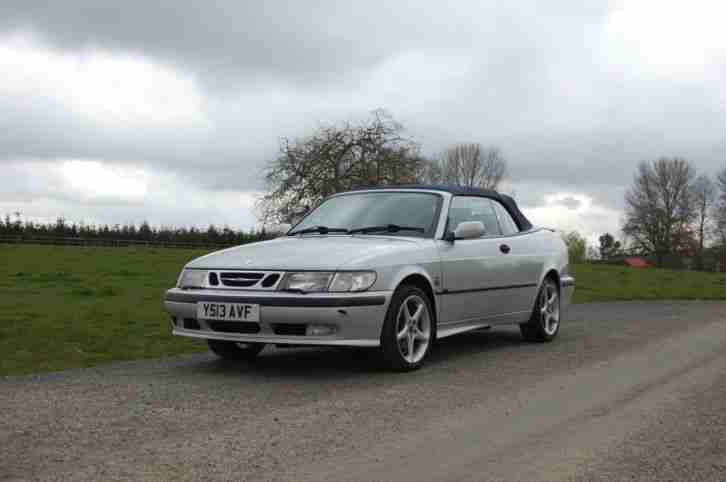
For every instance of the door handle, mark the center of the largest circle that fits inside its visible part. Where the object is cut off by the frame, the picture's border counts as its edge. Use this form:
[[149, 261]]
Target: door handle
[[504, 248]]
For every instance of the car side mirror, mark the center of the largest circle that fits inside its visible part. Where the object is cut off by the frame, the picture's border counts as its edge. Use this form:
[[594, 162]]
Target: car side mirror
[[469, 230]]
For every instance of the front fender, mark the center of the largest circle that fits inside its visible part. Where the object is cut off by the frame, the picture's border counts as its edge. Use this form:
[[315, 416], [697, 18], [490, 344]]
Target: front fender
[[398, 276]]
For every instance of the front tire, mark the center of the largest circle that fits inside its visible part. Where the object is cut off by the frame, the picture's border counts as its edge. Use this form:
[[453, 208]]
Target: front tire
[[544, 324], [409, 329], [232, 350]]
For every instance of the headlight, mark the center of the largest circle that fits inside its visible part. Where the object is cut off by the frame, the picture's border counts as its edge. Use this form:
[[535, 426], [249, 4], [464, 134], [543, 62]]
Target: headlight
[[193, 278], [313, 281], [307, 281], [353, 281]]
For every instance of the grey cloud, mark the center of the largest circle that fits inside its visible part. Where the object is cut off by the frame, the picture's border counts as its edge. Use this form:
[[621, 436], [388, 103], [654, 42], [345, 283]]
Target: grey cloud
[[298, 41], [44, 130]]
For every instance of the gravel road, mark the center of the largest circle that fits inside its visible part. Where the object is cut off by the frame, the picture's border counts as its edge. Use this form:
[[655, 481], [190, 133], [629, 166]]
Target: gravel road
[[629, 391]]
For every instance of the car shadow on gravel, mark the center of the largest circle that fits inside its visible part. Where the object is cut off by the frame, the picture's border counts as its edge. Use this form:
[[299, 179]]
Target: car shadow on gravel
[[326, 362], [475, 343]]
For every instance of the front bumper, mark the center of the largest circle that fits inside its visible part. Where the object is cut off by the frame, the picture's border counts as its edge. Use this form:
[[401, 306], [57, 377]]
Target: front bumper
[[357, 318]]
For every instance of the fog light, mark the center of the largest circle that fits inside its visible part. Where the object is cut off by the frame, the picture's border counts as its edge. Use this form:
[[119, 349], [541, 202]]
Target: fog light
[[319, 330]]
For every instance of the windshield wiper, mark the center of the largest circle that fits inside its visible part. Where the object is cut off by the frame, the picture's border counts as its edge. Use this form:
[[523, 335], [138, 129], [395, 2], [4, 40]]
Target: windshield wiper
[[320, 230], [390, 228]]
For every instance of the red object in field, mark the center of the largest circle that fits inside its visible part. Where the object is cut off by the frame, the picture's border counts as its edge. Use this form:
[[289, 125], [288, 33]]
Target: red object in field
[[636, 262]]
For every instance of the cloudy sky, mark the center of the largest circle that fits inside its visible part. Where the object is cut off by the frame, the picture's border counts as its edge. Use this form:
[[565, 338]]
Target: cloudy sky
[[167, 111]]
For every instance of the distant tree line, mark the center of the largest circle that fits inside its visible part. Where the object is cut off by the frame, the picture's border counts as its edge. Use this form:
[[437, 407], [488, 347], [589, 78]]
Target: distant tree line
[[213, 235]]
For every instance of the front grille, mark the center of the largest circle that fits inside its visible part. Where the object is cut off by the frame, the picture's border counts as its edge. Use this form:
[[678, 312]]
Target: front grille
[[234, 326], [240, 279], [249, 280]]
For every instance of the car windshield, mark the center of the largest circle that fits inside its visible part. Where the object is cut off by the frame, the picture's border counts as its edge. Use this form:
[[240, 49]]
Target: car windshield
[[392, 213]]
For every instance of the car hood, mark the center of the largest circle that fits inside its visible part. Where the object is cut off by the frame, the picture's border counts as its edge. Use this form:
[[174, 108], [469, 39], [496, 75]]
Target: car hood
[[308, 253]]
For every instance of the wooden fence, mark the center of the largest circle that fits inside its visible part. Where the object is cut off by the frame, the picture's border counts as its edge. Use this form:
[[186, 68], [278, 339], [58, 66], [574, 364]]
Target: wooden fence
[[114, 243]]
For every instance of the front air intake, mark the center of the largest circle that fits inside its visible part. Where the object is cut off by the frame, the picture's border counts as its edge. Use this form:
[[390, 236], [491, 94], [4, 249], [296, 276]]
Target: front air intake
[[234, 326]]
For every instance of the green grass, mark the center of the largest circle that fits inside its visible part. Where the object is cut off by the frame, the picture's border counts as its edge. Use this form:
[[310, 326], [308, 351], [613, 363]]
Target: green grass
[[67, 307], [613, 283]]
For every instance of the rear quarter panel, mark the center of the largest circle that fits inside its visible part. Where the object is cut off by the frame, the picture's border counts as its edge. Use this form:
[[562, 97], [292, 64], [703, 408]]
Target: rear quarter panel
[[554, 254], [539, 252]]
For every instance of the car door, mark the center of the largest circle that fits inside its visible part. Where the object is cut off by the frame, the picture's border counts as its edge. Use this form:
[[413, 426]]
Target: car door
[[524, 261], [481, 278], [473, 270]]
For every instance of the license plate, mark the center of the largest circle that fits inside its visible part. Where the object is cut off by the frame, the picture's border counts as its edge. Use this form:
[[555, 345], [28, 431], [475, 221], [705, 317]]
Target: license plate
[[228, 311]]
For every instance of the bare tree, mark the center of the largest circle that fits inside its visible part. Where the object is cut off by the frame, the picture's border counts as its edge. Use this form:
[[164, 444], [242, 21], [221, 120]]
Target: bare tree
[[494, 169], [703, 193], [473, 166], [659, 207], [336, 158], [467, 165]]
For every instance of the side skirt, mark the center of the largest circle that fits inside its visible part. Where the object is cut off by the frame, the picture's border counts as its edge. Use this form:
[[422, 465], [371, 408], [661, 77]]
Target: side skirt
[[456, 327]]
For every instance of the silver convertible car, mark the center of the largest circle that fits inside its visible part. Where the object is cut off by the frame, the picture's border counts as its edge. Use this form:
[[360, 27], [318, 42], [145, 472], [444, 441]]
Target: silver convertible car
[[395, 268]]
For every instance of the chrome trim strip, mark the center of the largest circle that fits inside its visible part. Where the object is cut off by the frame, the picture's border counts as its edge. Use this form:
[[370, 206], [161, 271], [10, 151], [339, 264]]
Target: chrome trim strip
[[273, 339], [493, 288]]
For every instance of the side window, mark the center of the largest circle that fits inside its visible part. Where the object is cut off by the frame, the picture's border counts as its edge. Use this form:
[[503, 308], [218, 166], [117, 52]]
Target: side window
[[505, 219], [471, 208]]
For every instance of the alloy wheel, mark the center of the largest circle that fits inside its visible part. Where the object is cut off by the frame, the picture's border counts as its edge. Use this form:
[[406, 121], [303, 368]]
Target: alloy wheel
[[413, 328], [549, 308]]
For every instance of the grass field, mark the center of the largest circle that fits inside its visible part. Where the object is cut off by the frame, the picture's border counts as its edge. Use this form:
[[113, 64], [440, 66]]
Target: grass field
[[65, 307], [613, 283]]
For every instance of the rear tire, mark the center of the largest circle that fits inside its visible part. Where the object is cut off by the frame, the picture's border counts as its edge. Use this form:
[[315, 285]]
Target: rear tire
[[544, 323], [232, 350], [409, 330]]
